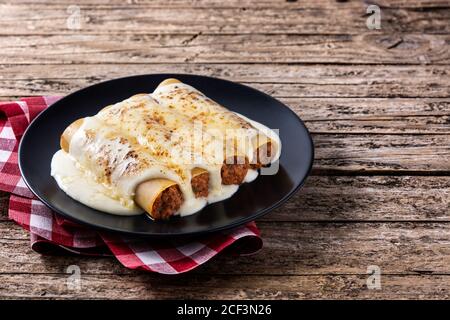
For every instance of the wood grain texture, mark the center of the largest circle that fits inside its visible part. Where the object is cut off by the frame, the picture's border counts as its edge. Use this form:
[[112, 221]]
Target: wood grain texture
[[272, 17], [372, 48], [357, 199], [410, 4], [397, 248], [376, 116], [376, 101], [281, 81], [365, 153], [232, 287]]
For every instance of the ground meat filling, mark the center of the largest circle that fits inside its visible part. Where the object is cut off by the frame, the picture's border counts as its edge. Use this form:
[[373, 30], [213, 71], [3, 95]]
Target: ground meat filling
[[200, 185], [167, 203], [263, 156], [234, 173]]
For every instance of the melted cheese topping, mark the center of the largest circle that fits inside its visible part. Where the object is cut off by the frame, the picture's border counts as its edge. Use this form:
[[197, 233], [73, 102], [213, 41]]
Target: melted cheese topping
[[163, 135], [217, 120]]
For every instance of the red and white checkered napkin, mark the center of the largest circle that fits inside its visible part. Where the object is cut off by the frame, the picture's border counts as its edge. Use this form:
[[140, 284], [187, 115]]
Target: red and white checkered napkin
[[50, 232]]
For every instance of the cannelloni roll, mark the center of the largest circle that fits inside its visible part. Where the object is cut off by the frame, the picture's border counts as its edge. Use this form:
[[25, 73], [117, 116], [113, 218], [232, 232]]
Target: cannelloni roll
[[251, 142], [167, 153], [100, 140]]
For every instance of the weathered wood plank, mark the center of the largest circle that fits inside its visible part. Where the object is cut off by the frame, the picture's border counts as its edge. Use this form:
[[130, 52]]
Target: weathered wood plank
[[305, 4], [387, 125], [247, 17], [143, 286], [372, 48], [368, 199], [291, 248], [281, 81], [349, 198], [365, 153], [363, 115], [353, 75]]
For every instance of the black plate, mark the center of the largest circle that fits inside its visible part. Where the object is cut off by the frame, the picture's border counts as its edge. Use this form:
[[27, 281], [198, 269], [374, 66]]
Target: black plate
[[41, 141]]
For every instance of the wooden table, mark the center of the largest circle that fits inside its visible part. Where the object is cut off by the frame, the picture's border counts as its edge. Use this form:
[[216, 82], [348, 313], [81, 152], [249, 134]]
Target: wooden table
[[377, 103]]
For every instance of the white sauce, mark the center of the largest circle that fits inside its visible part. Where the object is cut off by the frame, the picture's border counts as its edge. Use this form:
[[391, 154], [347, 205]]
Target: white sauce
[[251, 175], [81, 186]]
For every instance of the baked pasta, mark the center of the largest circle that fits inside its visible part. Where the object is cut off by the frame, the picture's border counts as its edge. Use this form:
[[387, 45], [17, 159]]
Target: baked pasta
[[167, 153]]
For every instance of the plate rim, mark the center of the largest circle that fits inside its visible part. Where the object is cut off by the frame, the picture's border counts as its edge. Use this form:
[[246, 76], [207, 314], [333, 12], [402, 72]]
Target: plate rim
[[238, 222]]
